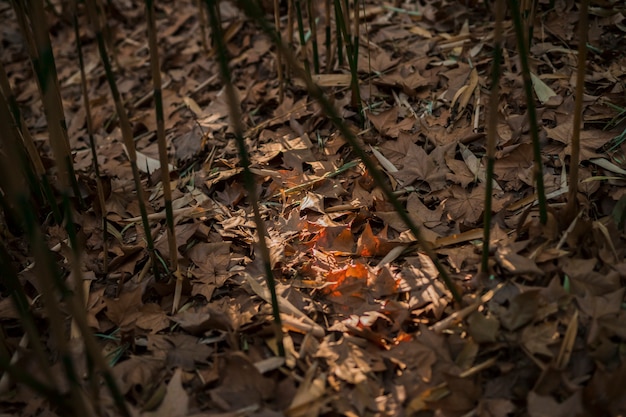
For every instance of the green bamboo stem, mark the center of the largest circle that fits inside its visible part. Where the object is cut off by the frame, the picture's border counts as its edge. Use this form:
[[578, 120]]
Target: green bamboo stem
[[253, 12], [92, 143], [52, 284], [492, 126], [313, 28], [235, 115], [45, 268], [583, 29], [163, 158], [127, 133], [532, 112], [305, 55], [43, 63], [328, 38], [352, 51], [279, 59]]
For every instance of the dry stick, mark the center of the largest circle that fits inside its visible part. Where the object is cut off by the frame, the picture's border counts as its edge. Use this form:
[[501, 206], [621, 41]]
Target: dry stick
[[279, 59], [316, 92], [235, 114], [127, 133], [163, 159], [92, 142], [583, 28], [492, 126]]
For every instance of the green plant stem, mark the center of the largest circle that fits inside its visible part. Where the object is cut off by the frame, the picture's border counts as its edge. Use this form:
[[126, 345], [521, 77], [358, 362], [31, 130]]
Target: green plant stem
[[313, 28], [303, 50], [253, 12], [235, 114], [163, 158], [44, 67], [338, 14], [532, 112], [127, 133], [583, 29], [327, 40], [279, 59], [494, 99], [92, 143]]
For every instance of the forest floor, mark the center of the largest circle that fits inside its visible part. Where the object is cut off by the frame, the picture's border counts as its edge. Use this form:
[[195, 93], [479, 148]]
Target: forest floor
[[370, 329]]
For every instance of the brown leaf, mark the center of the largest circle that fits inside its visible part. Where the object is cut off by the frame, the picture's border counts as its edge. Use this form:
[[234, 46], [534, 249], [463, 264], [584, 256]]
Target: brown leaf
[[126, 309], [176, 400]]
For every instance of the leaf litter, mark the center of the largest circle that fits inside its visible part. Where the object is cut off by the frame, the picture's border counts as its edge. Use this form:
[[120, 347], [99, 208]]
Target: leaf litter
[[369, 328]]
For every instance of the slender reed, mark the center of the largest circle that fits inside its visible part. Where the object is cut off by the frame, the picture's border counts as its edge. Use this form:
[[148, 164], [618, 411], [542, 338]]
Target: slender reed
[[583, 29], [163, 159], [253, 12], [279, 59], [235, 115], [313, 29], [352, 50], [303, 50], [92, 143], [42, 59], [127, 133], [328, 37], [532, 112], [492, 126]]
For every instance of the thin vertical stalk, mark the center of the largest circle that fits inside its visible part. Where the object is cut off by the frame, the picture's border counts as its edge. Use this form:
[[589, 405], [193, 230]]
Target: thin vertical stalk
[[202, 22], [127, 133], [9, 140], [44, 265], [492, 126], [290, 20], [303, 50], [163, 159], [339, 30], [327, 40], [583, 28], [352, 51], [279, 59], [347, 133], [313, 28], [92, 142], [51, 282], [20, 376], [532, 112], [27, 139], [235, 114], [42, 59], [354, 67]]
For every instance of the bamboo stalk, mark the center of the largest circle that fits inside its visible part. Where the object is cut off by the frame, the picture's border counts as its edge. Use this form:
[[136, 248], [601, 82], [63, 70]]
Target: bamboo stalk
[[532, 112], [347, 133], [127, 133], [92, 143], [163, 158], [492, 126], [235, 116], [583, 29]]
